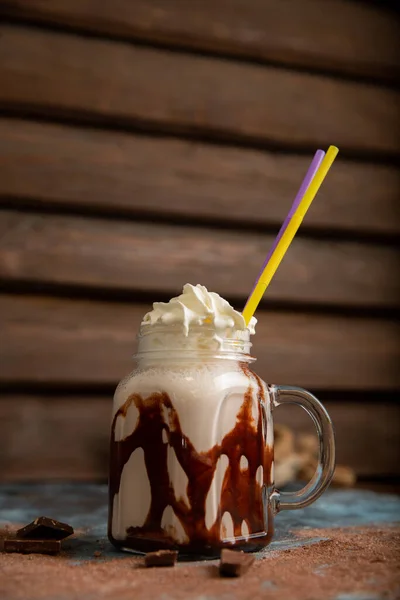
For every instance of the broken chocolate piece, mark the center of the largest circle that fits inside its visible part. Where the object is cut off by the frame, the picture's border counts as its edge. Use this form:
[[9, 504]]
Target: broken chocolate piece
[[235, 564], [44, 528], [31, 546], [161, 558]]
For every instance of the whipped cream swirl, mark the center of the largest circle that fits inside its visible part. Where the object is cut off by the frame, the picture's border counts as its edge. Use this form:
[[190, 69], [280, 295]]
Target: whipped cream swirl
[[197, 306]]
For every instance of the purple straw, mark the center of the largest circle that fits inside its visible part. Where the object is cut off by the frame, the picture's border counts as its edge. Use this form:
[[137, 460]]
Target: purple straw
[[312, 169]]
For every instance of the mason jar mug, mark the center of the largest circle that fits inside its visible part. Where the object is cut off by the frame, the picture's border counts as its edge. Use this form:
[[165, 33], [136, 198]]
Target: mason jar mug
[[192, 447]]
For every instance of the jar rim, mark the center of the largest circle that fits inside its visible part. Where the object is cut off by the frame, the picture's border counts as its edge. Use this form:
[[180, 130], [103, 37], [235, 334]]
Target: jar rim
[[200, 341], [189, 356]]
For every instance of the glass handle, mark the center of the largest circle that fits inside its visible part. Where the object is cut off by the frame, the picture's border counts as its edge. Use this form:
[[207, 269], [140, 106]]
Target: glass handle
[[285, 394]]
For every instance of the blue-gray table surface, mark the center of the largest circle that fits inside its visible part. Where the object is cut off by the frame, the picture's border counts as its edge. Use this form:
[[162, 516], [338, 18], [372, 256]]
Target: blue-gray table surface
[[84, 506]]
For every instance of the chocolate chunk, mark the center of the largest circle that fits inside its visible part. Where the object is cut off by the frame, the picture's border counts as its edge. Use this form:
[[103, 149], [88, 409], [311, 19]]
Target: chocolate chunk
[[161, 558], [31, 546], [44, 528], [235, 564]]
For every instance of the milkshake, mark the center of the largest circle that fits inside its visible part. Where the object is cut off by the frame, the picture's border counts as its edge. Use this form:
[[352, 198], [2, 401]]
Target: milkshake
[[191, 465], [192, 436]]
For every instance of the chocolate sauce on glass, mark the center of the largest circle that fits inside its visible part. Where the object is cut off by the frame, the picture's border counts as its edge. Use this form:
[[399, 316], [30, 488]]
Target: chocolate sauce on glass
[[241, 495]]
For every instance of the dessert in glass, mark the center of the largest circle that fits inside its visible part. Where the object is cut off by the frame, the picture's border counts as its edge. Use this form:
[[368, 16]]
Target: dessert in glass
[[192, 465]]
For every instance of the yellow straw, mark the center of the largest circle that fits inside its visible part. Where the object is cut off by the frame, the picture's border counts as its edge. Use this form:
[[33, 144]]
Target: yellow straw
[[288, 235]]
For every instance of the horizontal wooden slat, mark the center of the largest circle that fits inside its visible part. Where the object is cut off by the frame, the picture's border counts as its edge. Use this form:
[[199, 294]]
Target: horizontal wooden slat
[[367, 435], [110, 171], [59, 73], [67, 437], [334, 36], [162, 258], [54, 438], [65, 341]]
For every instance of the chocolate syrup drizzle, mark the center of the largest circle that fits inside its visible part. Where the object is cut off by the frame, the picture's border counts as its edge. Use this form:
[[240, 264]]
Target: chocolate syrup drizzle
[[241, 494]]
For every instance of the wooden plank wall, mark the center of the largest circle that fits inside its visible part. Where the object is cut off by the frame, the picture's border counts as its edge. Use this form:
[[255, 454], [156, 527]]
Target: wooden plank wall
[[147, 144]]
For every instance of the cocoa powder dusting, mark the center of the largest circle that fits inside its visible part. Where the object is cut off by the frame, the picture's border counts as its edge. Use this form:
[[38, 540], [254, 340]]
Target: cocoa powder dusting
[[357, 563], [241, 494]]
